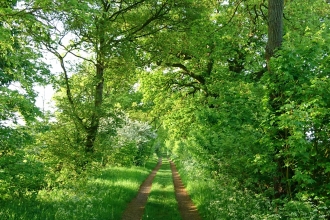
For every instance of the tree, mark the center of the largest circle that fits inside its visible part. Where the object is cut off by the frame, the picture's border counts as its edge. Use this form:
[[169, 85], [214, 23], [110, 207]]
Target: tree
[[101, 32], [203, 92], [236, 100], [20, 69], [289, 81], [275, 38]]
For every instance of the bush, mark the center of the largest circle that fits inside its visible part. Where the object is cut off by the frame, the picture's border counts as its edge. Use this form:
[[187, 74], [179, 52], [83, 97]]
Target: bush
[[19, 172]]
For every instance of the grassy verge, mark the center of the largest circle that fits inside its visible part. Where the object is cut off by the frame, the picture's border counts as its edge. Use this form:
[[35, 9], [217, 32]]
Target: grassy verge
[[221, 198], [102, 195], [161, 201]]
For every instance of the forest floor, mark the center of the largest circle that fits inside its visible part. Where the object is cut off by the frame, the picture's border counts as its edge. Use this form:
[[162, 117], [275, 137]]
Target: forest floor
[[187, 209]]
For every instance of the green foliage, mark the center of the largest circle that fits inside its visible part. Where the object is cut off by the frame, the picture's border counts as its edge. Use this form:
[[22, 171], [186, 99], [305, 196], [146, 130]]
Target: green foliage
[[20, 172], [267, 132], [20, 67], [223, 198], [299, 85], [195, 70]]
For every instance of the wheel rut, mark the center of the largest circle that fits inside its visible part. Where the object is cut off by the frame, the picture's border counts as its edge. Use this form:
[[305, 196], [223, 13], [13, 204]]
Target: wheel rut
[[187, 209]]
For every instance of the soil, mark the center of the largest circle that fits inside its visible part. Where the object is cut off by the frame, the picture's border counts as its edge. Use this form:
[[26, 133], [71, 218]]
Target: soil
[[187, 209]]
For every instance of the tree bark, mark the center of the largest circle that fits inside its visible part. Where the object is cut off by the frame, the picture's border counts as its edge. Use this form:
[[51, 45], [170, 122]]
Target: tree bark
[[96, 114], [275, 27], [275, 38], [99, 84]]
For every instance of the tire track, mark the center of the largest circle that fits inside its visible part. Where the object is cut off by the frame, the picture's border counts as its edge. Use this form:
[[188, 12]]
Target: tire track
[[187, 208]]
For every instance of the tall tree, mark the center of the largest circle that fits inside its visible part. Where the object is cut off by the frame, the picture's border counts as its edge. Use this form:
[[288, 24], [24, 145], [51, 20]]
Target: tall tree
[[98, 32], [275, 38], [288, 83]]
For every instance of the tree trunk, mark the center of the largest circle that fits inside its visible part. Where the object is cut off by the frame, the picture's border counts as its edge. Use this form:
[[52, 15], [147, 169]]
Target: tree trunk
[[275, 38], [275, 27], [96, 115], [99, 84]]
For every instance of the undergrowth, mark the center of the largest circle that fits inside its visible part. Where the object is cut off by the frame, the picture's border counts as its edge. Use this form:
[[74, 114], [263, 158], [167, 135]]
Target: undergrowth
[[101, 194], [223, 198]]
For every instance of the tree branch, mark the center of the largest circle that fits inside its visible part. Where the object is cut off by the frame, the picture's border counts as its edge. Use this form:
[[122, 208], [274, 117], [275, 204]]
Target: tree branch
[[200, 79], [114, 16], [157, 15], [66, 77]]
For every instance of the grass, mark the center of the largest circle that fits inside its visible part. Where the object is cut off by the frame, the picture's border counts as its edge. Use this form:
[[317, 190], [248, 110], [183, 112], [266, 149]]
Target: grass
[[102, 195], [161, 201], [221, 199]]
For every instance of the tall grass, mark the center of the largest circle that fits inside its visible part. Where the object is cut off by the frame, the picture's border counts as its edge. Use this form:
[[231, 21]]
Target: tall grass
[[221, 198], [161, 201], [102, 195]]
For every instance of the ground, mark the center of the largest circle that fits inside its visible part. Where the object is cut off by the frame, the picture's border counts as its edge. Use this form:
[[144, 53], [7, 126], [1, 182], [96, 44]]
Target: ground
[[135, 208]]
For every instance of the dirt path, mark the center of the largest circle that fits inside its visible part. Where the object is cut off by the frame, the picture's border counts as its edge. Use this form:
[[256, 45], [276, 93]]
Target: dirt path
[[187, 208], [135, 208]]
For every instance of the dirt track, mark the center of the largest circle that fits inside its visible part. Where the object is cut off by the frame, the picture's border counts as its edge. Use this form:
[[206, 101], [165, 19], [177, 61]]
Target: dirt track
[[135, 208]]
